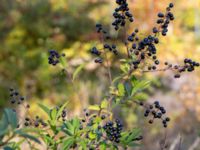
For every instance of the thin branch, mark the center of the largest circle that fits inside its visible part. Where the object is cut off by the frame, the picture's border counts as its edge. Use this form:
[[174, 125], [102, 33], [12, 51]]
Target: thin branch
[[163, 143], [157, 70], [180, 142], [175, 142], [108, 67], [107, 62], [6, 141], [125, 41], [195, 144]]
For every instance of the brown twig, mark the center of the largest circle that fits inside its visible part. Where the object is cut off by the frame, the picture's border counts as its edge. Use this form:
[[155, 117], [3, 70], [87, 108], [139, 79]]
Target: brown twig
[[180, 142], [6, 141]]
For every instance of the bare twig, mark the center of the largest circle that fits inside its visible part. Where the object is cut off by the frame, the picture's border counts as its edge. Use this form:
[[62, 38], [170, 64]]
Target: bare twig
[[163, 142], [126, 44], [195, 144], [180, 142], [164, 69], [7, 140], [176, 140], [107, 62]]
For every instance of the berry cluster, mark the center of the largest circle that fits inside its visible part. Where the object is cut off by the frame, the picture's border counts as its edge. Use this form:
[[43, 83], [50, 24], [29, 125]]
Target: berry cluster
[[15, 97], [27, 122], [121, 14], [133, 37], [111, 48], [64, 114], [113, 130], [189, 66], [164, 20], [97, 52], [34, 122], [144, 49], [54, 57], [155, 111], [142, 52], [100, 29], [86, 121]]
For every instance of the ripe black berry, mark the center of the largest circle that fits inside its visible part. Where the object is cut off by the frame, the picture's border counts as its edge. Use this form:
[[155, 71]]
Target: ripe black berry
[[171, 5], [54, 57], [177, 76], [103, 117], [161, 15]]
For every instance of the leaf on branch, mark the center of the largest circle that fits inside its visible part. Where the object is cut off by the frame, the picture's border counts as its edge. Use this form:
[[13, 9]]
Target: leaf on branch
[[11, 117], [138, 86], [68, 143], [121, 89], [92, 135], [104, 104], [45, 109], [127, 137], [77, 71], [94, 107], [28, 136], [61, 109]]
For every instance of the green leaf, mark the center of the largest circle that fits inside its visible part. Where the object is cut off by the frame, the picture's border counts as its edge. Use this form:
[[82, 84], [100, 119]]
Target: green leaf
[[3, 125], [69, 127], [94, 107], [127, 137], [3, 132], [83, 145], [8, 148], [124, 68], [133, 144], [123, 60], [133, 79], [77, 71], [92, 135], [63, 62], [128, 88], [68, 143], [141, 96], [44, 108], [134, 133], [3, 122], [104, 104], [61, 109], [102, 146], [25, 135], [139, 86], [124, 135], [76, 124], [34, 130], [48, 139], [121, 89], [53, 114], [11, 117], [68, 132], [116, 79]]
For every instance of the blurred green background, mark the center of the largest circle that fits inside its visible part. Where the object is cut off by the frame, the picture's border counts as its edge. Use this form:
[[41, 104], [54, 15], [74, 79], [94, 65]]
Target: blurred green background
[[29, 28]]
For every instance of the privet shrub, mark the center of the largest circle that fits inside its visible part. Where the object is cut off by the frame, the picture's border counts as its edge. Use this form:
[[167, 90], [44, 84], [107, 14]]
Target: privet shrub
[[97, 128]]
